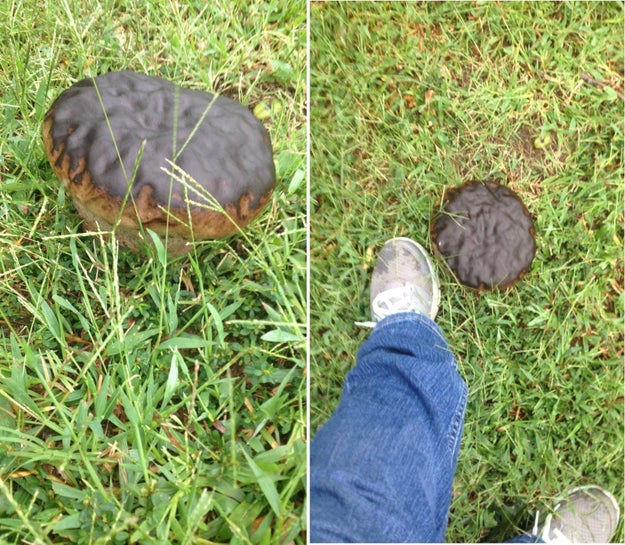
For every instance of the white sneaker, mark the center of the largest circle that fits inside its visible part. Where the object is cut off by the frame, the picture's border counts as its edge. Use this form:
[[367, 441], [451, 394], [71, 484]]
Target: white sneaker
[[403, 280], [588, 514]]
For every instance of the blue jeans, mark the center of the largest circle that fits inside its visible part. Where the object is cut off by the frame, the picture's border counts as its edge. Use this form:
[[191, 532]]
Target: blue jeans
[[382, 467]]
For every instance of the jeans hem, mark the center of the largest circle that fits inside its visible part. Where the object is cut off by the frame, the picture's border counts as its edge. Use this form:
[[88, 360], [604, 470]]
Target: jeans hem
[[408, 317]]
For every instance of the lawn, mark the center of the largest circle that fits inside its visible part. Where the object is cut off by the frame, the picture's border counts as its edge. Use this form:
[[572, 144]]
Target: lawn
[[145, 399], [410, 98]]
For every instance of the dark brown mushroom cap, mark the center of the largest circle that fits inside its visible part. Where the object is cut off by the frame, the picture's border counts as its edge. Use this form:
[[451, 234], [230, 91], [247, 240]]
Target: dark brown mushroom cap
[[216, 141], [485, 234]]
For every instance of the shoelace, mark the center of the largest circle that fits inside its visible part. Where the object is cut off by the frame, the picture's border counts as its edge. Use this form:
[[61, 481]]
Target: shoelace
[[411, 298], [549, 535]]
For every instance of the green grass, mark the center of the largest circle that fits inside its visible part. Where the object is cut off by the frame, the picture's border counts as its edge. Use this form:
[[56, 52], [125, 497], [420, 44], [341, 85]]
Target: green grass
[[146, 400], [408, 99]]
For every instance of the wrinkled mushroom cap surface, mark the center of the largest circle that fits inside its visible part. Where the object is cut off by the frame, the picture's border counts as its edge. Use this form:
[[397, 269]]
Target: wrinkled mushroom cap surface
[[118, 130], [485, 234]]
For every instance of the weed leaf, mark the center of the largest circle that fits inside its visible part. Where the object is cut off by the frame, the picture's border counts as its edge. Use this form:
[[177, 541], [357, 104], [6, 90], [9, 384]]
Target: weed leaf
[[266, 484], [281, 336]]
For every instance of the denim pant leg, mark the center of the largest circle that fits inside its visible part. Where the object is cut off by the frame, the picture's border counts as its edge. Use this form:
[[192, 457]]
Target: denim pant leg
[[382, 467], [526, 538]]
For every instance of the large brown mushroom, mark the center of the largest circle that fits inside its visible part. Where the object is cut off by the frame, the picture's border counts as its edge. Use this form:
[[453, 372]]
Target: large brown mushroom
[[485, 234], [110, 140]]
